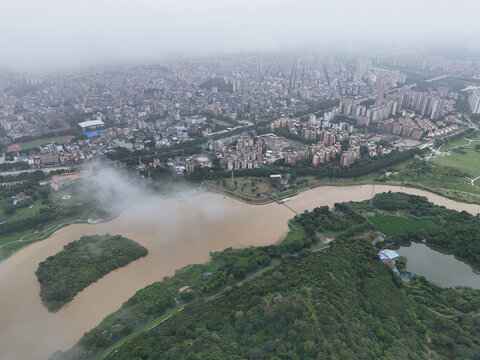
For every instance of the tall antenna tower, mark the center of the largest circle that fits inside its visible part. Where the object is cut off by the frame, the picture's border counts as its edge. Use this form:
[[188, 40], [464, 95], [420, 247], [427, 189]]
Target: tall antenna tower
[[232, 184]]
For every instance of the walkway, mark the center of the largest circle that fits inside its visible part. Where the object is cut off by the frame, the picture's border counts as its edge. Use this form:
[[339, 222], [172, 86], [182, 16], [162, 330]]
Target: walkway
[[46, 232]]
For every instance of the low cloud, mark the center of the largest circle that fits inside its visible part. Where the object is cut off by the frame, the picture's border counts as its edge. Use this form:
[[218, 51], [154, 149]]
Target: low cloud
[[55, 35]]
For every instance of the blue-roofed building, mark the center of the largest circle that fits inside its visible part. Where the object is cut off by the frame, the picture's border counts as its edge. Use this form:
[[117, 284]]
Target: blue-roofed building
[[93, 133], [387, 257], [390, 254]]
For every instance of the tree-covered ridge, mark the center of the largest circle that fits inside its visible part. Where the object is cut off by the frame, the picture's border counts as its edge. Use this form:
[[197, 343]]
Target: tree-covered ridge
[[342, 303], [81, 263]]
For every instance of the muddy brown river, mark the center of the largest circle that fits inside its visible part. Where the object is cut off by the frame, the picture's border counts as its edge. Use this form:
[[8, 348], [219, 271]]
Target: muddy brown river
[[176, 232]]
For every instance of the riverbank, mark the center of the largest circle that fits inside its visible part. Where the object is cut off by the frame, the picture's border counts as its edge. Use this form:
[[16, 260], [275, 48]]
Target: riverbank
[[456, 195], [214, 222]]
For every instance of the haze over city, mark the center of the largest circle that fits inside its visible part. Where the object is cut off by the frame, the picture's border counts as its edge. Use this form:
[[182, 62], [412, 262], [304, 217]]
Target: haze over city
[[57, 35], [242, 180]]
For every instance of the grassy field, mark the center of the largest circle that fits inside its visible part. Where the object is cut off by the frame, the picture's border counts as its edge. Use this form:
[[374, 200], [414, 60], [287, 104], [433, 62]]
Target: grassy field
[[245, 185], [31, 235], [468, 162], [43, 231], [392, 225], [224, 123], [438, 178], [24, 213], [297, 232], [37, 143]]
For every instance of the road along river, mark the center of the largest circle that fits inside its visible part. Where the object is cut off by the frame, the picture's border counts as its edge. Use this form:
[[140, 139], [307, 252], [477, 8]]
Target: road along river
[[176, 232]]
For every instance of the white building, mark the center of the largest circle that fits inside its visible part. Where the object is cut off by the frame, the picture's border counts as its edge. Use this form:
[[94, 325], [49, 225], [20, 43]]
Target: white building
[[91, 124], [474, 101]]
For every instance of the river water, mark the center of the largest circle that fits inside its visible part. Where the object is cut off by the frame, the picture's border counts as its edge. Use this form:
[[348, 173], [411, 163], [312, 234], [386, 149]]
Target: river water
[[443, 270], [176, 232]]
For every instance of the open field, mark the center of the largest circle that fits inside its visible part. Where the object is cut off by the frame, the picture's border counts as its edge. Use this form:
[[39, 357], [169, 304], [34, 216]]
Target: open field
[[438, 178], [37, 143], [469, 162], [24, 213], [244, 185], [224, 123], [392, 225], [18, 239], [251, 186], [297, 232]]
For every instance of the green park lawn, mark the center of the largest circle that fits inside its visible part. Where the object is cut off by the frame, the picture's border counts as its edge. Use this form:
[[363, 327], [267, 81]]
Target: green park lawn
[[24, 213], [296, 233], [261, 185], [244, 185], [224, 123], [392, 225], [469, 162]]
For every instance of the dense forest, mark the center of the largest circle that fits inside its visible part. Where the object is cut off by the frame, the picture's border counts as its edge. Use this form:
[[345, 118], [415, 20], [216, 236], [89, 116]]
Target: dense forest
[[340, 303], [81, 263]]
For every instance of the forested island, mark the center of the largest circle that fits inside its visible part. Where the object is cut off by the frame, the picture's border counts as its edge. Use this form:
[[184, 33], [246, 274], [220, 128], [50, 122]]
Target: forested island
[[81, 263], [302, 300]]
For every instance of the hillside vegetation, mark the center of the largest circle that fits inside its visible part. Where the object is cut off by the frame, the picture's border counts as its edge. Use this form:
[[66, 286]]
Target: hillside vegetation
[[339, 304]]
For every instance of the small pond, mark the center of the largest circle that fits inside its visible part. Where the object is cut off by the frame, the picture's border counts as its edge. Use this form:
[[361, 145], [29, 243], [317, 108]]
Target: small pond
[[443, 270]]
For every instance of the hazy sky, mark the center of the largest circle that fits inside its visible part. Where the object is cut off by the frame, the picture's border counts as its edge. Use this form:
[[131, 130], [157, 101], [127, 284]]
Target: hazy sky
[[57, 34]]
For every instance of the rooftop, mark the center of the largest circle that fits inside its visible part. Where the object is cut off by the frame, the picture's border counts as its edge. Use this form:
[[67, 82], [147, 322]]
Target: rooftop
[[89, 123]]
